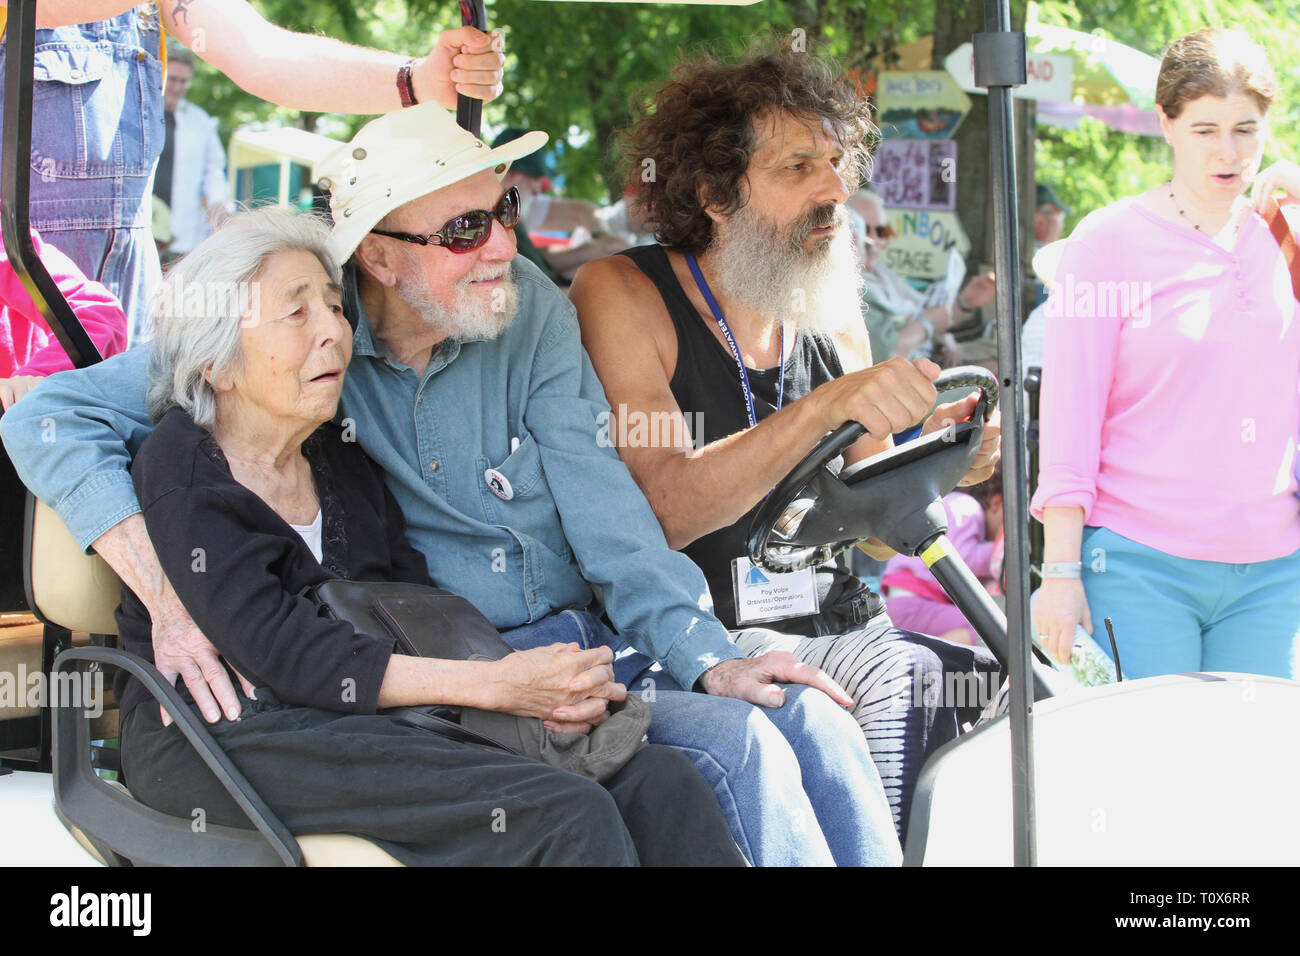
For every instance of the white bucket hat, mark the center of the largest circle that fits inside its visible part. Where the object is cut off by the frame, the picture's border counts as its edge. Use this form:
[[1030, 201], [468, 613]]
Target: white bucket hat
[[400, 157]]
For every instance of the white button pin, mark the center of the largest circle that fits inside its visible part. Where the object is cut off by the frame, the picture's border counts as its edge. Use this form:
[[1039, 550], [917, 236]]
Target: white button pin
[[499, 484]]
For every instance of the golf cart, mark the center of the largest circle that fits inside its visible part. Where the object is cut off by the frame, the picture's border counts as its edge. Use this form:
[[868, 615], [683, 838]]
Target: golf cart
[[1103, 795]]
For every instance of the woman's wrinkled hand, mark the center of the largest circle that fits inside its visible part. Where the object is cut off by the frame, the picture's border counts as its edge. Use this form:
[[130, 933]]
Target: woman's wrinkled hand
[[567, 687]]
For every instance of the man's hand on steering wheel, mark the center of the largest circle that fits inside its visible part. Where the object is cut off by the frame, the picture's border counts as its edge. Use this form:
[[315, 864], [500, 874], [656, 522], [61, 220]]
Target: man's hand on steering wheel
[[886, 398], [755, 679], [945, 416], [780, 539]]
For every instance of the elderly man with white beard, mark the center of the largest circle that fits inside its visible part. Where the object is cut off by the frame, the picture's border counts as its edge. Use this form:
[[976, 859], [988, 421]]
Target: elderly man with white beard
[[745, 319]]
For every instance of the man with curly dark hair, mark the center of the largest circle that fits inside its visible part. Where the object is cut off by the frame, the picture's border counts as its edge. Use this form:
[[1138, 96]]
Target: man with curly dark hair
[[745, 321]]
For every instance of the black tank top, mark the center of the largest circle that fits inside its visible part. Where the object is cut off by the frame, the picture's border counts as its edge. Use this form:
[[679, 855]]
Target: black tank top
[[706, 385]]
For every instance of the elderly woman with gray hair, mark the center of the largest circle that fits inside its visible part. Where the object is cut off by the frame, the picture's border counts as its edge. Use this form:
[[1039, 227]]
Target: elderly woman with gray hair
[[250, 495]]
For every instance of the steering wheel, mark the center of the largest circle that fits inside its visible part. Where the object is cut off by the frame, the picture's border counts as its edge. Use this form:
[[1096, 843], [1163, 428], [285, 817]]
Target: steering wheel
[[814, 513]]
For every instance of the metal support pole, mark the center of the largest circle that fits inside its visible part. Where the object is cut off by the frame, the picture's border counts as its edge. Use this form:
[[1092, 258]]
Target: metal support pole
[[999, 65]]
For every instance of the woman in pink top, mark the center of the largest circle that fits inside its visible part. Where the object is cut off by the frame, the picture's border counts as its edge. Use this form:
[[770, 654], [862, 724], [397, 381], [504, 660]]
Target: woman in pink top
[[28, 349], [1171, 399]]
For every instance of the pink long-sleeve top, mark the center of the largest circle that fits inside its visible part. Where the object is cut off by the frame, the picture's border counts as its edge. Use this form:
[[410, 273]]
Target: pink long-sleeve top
[[1171, 387], [27, 347]]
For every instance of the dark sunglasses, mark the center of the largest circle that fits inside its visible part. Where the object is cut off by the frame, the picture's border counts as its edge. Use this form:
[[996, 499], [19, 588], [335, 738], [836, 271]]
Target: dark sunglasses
[[469, 230], [882, 232]]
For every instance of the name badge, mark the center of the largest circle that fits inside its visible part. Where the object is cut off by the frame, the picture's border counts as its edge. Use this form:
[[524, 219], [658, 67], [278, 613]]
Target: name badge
[[767, 596]]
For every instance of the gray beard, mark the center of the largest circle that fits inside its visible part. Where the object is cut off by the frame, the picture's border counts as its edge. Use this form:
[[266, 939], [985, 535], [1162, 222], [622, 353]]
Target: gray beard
[[771, 273], [465, 321]]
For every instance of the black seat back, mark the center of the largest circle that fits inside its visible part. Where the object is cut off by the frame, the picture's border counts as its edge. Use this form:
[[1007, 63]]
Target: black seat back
[[13, 497]]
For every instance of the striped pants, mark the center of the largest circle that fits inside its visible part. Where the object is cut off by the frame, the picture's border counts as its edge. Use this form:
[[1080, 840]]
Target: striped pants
[[912, 693]]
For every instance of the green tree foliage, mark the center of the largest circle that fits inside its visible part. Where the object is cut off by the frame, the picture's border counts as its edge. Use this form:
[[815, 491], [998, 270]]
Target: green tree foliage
[[574, 68]]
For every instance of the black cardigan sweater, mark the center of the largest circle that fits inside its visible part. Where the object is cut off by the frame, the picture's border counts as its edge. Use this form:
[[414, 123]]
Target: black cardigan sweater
[[238, 567]]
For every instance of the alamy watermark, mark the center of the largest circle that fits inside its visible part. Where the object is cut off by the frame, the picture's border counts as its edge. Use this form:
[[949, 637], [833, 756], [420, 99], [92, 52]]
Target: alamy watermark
[[630, 428], [81, 689], [955, 689], [1088, 299], [126, 910], [180, 299]]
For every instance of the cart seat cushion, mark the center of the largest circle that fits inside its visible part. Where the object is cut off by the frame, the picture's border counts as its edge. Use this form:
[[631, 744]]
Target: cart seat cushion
[[20, 658], [74, 590], [320, 849]]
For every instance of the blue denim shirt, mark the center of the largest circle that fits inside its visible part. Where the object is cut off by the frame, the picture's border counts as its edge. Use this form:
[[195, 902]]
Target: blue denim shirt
[[97, 122], [575, 529]]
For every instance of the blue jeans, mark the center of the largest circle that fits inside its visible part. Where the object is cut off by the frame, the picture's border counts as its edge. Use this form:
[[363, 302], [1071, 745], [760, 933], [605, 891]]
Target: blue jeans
[[97, 130], [1178, 615], [796, 783], [126, 261]]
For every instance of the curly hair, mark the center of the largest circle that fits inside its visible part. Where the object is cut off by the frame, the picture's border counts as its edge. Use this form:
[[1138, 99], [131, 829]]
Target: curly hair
[[690, 145]]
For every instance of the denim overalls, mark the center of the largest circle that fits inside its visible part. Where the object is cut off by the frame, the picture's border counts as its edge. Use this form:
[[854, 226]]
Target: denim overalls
[[97, 130]]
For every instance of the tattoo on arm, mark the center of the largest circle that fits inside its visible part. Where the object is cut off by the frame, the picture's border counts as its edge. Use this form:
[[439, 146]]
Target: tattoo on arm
[[181, 11]]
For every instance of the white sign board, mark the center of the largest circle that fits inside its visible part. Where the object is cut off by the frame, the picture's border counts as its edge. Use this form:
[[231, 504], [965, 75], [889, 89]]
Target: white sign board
[[1050, 75], [922, 240]]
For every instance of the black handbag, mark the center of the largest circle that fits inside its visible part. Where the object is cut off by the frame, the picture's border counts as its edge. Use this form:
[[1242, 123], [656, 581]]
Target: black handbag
[[426, 621]]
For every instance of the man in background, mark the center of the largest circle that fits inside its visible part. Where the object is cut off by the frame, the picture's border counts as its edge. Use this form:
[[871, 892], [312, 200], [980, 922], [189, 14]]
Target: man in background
[[899, 322], [1049, 223], [528, 175], [191, 175], [589, 236]]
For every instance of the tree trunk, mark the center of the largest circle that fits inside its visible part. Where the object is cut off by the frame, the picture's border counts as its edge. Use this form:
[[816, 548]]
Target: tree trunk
[[953, 26]]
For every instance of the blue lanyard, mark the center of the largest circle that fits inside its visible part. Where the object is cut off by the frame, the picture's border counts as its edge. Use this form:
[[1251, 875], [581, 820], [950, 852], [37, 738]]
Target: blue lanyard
[[735, 349]]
